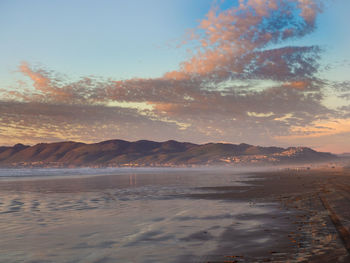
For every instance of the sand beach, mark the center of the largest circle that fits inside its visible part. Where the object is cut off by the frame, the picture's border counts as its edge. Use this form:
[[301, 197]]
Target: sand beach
[[180, 216]]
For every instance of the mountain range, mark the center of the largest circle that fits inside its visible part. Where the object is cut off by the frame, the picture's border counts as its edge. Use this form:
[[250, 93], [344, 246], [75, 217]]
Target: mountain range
[[120, 153]]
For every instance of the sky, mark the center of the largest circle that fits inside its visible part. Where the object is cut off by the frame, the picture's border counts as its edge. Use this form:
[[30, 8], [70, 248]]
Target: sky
[[260, 72]]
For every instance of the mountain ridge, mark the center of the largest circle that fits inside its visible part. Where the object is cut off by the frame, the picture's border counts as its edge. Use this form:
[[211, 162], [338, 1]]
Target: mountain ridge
[[116, 153]]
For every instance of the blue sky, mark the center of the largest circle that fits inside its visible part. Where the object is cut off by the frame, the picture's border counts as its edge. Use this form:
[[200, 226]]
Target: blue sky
[[119, 39], [73, 53], [124, 39]]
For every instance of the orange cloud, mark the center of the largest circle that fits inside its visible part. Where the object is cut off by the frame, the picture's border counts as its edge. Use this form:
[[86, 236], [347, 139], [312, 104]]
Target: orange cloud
[[322, 128], [329, 136], [47, 88], [41, 82], [299, 85]]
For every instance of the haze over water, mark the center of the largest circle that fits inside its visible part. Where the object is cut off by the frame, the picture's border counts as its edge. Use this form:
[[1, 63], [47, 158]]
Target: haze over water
[[134, 216]]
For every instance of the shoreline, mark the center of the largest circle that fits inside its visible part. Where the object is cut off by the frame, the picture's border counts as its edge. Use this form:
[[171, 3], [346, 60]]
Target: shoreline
[[98, 172]]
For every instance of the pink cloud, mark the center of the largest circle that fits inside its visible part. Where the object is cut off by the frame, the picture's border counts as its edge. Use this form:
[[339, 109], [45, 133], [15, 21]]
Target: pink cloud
[[229, 35]]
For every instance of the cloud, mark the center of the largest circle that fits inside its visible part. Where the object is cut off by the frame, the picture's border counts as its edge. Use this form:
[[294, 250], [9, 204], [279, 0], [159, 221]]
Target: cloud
[[34, 122], [242, 84], [343, 89], [43, 83], [328, 135], [49, 87], [232, 36]]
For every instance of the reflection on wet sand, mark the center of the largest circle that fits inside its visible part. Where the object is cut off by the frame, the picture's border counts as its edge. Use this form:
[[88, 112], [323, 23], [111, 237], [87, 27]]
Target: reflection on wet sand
[[133, 179], [174, 217]]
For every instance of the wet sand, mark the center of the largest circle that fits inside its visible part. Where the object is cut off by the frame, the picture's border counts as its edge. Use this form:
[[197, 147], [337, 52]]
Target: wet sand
[[318, 226], [280, 216]]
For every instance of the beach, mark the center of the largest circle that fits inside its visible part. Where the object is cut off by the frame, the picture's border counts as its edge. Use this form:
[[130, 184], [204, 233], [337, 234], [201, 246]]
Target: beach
[[319, 204], [209, 215]]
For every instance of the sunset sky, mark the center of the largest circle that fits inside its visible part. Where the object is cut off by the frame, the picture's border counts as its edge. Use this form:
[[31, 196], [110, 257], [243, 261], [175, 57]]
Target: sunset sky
[[266, 73]]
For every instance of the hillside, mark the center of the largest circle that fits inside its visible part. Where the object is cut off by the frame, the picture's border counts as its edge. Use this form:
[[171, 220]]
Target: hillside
[[116, 153]]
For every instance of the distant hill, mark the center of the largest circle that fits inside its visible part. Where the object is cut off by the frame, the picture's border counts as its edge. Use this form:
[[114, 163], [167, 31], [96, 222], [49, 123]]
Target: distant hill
[[115, 153], [344, 155]]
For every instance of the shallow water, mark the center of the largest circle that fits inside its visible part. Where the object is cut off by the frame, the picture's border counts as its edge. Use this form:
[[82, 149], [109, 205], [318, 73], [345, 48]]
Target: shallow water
[[143, 216]]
